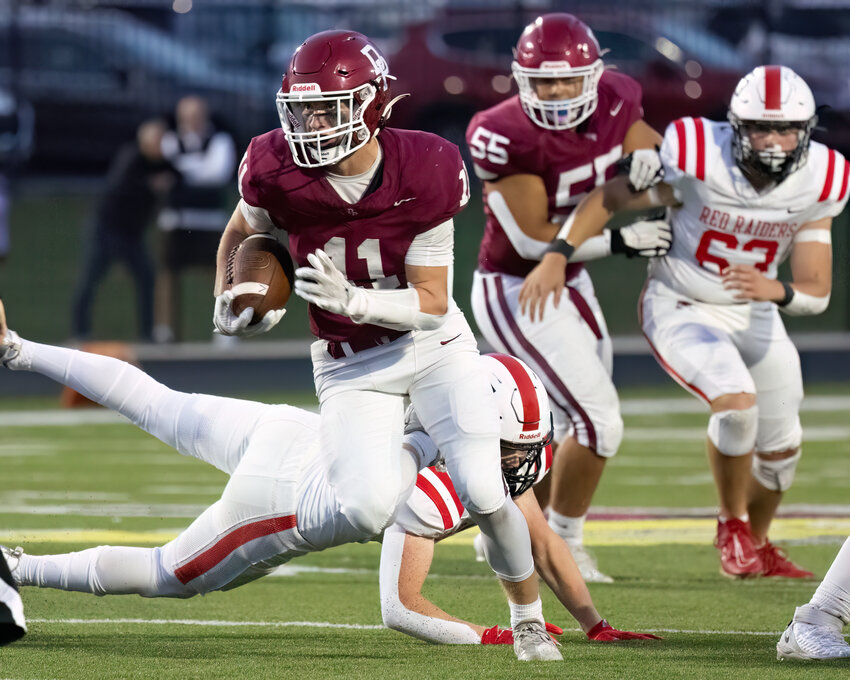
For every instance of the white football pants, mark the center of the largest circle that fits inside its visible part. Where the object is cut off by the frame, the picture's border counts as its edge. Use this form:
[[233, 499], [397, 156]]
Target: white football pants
[[362, 409], [569, 349], [270, 453]]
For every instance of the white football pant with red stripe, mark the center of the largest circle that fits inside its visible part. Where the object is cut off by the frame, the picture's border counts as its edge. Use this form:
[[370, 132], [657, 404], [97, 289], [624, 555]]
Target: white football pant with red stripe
[[276, 505], [712, 350], [569, 349]]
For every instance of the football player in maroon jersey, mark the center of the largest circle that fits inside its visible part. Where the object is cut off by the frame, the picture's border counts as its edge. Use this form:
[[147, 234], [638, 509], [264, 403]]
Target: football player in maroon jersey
[[537, 154], [369, 221]]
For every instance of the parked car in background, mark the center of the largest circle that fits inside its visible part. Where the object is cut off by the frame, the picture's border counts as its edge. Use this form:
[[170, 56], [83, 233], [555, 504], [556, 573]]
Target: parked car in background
[[459, 63], [93, 75], [813, 38]]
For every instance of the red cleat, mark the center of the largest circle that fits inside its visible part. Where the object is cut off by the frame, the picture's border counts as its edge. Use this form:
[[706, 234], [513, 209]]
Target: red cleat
[[776, 563], [738, 556]]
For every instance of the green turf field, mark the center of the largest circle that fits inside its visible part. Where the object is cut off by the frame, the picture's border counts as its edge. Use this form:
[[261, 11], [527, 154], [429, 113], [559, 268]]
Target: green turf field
[[71, 487]]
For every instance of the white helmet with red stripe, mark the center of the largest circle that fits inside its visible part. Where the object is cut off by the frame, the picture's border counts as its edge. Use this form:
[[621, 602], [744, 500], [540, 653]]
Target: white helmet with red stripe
[[526, 420], [772, 98]]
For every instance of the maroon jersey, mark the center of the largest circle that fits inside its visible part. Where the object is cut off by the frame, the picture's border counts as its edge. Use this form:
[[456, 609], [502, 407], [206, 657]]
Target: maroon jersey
[[423, 183], [504, 141]]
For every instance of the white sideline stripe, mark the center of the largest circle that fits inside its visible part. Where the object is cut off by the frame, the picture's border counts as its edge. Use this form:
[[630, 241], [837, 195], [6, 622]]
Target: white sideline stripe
[[355, 626], [214, 623], [657, 407], [628, 407], [813, 433]]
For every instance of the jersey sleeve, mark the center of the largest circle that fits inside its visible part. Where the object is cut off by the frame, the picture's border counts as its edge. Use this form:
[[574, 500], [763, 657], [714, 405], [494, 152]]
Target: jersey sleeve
[[249, 188], [684, 151], [433, 509], [629, 91], [449, 185], [494, 153], [835, 189]]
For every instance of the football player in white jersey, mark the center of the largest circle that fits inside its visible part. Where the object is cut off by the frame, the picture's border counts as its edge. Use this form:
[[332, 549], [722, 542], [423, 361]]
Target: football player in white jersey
[[815, 631], [278, 503], [433, 511], [745, 195]]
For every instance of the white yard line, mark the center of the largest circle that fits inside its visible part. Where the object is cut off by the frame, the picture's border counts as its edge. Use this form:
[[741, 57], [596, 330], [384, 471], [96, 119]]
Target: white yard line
[[629, 407], [349, 626]]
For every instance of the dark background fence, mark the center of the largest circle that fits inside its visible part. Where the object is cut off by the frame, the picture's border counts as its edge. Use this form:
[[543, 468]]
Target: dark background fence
[[83, 74]]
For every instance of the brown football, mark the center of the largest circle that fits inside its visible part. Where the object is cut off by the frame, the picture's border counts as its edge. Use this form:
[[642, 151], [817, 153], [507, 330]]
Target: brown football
[[260, 273]]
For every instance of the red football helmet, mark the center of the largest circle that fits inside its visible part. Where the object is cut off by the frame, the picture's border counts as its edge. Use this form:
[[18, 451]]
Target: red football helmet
[[526, 420], [333, 98], [557, 46]]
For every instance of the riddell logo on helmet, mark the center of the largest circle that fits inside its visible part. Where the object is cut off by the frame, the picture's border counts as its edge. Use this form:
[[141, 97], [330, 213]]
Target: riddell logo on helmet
[[529, 436], [555, 65], [305, 87]]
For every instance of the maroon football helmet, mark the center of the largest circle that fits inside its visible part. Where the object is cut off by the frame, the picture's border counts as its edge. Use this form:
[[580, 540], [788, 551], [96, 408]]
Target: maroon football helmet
[[557, 46], [333, 98]]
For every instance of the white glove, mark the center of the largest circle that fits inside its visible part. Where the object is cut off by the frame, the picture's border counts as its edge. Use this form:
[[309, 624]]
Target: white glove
[[645, 169], [323, 285], [650, 238], [227, 323]]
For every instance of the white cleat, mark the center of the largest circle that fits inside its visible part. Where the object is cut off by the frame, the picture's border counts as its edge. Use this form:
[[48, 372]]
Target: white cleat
[[13, 559], [533, 643], [587, 564], [478, 545], [813, 635]]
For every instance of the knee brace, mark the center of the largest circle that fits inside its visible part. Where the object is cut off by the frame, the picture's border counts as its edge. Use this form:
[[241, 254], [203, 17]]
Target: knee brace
[[776, 475], [734, 432]]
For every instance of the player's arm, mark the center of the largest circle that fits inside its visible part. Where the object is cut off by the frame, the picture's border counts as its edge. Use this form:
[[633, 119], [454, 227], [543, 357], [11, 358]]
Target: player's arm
[[641, 136], [556, 566], [521, 205], [236, 231], [810, 287], [422, 305], [405, 563], [225, 321], [587, 221]]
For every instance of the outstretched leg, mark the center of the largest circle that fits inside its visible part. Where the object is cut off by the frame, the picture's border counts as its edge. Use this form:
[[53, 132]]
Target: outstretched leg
[[213, 429]]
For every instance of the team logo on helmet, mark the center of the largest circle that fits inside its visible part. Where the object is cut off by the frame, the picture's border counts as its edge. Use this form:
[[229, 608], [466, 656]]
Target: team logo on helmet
[[378, 62]]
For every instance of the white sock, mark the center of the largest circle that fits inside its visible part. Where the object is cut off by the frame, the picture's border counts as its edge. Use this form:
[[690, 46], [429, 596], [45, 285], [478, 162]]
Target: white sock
[[527, 612], [104, 570], [571, 529], [833, 594], [70, 571]]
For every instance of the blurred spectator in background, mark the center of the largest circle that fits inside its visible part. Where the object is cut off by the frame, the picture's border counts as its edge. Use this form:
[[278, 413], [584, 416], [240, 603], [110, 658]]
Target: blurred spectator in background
[[138, 181], [16, 127], [194, 218]]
